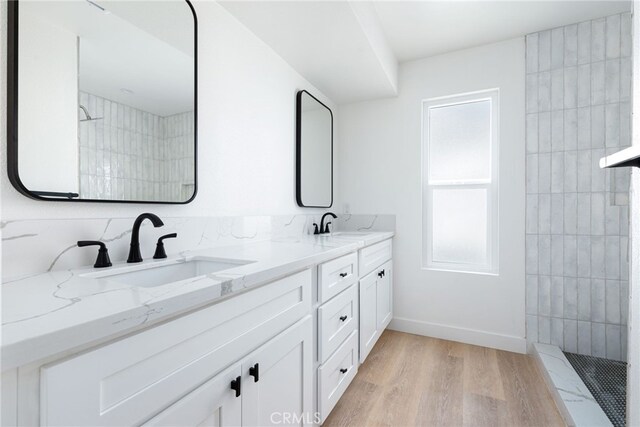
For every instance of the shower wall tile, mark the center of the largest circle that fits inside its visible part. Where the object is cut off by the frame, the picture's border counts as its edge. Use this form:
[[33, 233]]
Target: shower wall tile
[[578, 91]]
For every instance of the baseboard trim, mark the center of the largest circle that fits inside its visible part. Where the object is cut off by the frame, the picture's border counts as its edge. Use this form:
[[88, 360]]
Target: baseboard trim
[[467, 336]]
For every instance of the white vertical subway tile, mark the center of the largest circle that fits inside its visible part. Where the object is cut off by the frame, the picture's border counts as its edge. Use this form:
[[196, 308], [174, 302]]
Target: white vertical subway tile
[[557, 296], [583, 165], [532, 214], [597, 257], [624, 258], [625, 124], [531, 251], [544, 213], [583, 256], [584, 128], [544, 254], [532, 53], [612, 80], [624, 302], [570, 129], [584, 298], [544, 132], [584, 338], [544, 295], [570, 171], [625, 35], [612, 125], [623, 343], [557, 172], [532, 173], [544, 91], [570, 208], [532, 93], [612, 36], [584, 85], [544, 173], [570, 256], [584, 42], [570, 336], [625, 79], [557, 214], [557, 48], [598, 176], [557, 332], [570, 299], [557, 255], [598, 45], [584, 213], [597, 83], [612, 257], [570, 45], [557, 89], [612, 301], [544, 330], [570, 87], [532, 133], [557, 131], [597, 300], [612, 220], [597, 126], [544, 50], [614, 346], [532, 294], [598, 340], [597, 214]]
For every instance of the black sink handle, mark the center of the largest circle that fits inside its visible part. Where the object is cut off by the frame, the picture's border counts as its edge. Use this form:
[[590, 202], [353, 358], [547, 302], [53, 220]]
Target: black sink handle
[[160, 252]]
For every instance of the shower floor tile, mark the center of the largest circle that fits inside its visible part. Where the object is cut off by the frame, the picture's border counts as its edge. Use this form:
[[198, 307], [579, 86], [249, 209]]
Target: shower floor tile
[[607, 381]]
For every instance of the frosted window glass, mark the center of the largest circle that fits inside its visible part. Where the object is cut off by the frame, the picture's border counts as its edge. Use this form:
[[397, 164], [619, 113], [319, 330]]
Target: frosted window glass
[[460, 226], [460, 141]]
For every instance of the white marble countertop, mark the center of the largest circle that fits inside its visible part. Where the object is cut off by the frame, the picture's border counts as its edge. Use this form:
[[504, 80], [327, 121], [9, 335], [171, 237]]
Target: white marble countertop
[[59, 312]]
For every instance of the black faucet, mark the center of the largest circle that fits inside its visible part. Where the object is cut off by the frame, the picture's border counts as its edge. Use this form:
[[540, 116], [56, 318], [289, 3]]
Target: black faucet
[[324, 228], [134, 249]]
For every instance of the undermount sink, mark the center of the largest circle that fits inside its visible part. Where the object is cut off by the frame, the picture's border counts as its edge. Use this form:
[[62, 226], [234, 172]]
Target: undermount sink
[[349, 233], [157, 275]]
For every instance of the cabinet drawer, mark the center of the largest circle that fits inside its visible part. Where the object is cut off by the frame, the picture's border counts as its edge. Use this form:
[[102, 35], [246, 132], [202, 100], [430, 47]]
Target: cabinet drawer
[[336, 320], [336, 374], [130, 380], [336, 276], [373, 256]]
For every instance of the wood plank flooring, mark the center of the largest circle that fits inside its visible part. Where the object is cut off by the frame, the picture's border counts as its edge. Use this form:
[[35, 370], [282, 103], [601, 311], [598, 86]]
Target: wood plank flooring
[[410, 380]]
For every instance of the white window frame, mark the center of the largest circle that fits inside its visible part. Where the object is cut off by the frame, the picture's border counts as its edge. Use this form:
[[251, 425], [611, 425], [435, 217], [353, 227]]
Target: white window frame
[[492, 185]]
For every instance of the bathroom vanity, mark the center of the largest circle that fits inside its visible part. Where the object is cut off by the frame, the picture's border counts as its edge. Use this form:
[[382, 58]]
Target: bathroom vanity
[[274, 336]]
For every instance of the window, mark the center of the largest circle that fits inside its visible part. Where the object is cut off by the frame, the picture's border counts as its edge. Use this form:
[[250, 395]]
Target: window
[[460, 182]]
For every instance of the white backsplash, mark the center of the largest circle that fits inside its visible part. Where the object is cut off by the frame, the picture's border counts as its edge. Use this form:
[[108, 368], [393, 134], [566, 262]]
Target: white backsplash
[[31, 247]]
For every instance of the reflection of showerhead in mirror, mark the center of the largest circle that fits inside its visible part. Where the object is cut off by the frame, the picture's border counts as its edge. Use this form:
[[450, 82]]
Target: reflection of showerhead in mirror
[[87, 116]]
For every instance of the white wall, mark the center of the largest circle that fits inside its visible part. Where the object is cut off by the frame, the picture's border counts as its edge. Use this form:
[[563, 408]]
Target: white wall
[[53, 99], [380, 171], [246, 131]]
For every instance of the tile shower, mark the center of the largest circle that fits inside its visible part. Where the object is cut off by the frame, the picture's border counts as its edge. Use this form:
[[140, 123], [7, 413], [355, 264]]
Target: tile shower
[[578, 92], [130, 154]]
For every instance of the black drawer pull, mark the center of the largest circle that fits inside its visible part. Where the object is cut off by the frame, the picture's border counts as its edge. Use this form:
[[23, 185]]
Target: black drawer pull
[[343, 370], [344, 274], [237, 385], [254, 371], [343, 318]]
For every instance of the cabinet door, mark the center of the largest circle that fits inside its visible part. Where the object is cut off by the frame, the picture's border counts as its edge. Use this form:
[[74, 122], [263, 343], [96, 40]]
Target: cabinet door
[[384, 299], [368, 314], [277, 380], [212, 404]]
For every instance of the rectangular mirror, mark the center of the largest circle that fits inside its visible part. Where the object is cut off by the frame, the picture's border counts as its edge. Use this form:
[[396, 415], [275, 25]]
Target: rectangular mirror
[[102, 100], [314, 166]]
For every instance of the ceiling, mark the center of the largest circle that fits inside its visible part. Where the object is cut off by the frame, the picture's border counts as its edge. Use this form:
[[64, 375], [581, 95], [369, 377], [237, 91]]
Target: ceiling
[[350, 50]]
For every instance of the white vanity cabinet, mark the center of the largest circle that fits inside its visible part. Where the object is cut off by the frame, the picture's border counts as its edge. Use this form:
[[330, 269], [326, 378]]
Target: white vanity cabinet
[[376, 294]]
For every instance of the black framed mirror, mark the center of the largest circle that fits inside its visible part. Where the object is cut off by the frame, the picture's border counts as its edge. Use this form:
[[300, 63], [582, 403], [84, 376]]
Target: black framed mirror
[[314, 152], [102, 100]]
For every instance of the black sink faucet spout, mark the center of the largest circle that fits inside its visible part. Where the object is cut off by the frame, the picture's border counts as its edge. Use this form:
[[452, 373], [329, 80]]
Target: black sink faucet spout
[[324, 228], [134, 249]]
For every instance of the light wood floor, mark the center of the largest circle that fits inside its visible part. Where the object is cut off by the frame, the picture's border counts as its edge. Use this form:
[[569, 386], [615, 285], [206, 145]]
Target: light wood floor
[[410, 380]]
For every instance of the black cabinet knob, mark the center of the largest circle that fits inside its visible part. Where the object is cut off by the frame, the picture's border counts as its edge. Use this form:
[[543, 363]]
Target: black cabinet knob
[[344, 274], [237, 386], [254, 371], [343, 370], [343, 318]]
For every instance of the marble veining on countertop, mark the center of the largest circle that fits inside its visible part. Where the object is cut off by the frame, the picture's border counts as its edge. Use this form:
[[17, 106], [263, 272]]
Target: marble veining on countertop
[[54, 312]]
